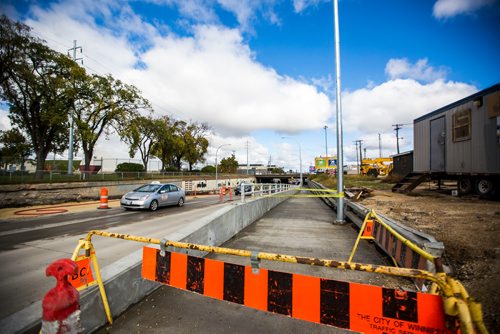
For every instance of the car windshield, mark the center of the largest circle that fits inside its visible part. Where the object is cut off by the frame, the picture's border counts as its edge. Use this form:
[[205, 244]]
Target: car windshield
[[148, 188]]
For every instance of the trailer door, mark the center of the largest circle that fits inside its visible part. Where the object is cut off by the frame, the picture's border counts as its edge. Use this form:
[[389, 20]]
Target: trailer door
[[438, 140]]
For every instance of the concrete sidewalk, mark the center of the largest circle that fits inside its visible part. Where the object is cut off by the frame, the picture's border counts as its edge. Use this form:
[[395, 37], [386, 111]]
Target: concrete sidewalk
[[299, 226]]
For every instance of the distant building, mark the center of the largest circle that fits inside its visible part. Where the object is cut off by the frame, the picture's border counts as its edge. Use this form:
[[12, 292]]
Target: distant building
[[256, 169]]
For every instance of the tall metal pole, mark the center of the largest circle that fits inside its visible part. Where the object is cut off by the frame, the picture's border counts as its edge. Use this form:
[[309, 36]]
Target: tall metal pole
[[71, 121], [361, 151], [340, 153], [326, 144], [357, 157], [217, 151], [379, 146], [248, 167], [300, 157]]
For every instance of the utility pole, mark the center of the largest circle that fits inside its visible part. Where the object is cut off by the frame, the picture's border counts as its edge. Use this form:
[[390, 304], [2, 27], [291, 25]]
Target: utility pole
[[364, 150], [360, 154], [397, 127], [71, 126], [326, 144], [357, 157], [248, 167], [379, 146]]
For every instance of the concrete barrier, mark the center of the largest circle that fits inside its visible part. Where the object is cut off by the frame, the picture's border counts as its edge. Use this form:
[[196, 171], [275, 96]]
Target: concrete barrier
[[122, 279], [53, 193]]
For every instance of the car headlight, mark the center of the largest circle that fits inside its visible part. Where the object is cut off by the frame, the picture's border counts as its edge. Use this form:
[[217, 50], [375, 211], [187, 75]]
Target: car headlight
[[145, 197]]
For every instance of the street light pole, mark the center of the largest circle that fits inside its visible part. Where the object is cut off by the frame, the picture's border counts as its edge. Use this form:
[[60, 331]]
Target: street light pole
[[340, 153], [217, 151], [326, 145], [300, 157]]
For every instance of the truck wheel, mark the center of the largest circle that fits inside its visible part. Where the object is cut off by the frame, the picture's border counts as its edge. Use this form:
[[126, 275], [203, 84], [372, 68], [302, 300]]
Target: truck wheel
[[372, 172], [484, 187], [464, 186]]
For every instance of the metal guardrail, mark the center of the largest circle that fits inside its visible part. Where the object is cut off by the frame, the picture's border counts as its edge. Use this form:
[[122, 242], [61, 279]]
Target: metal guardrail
[[355, 213], [263, 189]]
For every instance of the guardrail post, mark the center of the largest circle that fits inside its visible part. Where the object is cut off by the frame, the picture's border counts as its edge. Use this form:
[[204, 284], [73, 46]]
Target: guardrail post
[[253, 190]]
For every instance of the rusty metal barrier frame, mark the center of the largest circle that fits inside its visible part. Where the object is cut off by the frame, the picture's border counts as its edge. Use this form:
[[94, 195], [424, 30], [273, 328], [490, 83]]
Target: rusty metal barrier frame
[[456, 301], [89, 249], [372, 215]]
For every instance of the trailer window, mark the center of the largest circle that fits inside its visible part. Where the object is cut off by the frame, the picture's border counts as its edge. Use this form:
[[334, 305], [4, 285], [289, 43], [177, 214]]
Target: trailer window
[[461, 125]]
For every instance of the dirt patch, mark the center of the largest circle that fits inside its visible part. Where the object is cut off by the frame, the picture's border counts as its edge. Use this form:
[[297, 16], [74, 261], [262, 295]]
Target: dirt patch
[[469, 228]]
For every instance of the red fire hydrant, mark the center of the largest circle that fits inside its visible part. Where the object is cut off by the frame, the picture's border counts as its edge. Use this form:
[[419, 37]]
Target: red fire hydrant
[[61, 305]]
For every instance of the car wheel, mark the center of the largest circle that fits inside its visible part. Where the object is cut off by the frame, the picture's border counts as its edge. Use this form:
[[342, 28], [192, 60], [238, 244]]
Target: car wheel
[[127, 209], [154, 205], [484, 187], [464, 186], [181, 202]]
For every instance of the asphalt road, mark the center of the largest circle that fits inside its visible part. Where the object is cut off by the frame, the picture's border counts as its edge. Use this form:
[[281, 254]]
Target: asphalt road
[[28, 245]]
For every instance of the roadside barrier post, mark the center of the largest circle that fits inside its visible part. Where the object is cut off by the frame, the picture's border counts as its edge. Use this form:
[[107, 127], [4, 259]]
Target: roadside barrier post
[[61, 305], [104, 199]]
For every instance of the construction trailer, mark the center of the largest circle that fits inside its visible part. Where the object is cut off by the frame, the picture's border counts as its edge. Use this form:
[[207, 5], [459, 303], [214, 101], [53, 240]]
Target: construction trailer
[[460, 141]]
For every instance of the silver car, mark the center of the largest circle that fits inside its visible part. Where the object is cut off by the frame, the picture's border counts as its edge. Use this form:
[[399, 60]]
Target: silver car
[[153, 195]]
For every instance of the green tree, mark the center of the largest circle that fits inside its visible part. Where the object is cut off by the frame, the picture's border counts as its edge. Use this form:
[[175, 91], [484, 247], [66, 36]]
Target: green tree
[[141, 135], [228, 165], [196, 143], [129, 167], [104, 105], [208, 169], [35, 82], [277, 170], [164, 146], [178, 141], [15, 148]]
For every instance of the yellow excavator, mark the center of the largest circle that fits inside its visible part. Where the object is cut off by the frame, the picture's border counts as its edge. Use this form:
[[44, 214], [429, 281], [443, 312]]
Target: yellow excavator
[[376, 167]]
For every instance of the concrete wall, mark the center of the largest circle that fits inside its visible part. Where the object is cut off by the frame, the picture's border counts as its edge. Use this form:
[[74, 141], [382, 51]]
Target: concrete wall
[[53, 193], [122, 279]]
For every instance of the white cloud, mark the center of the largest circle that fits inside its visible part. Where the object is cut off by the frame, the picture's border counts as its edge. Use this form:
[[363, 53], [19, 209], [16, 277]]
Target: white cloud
[[210, 76], [213, 77], [449, 8], [245, 11], [301, 5], [369, 111], [401, 68]]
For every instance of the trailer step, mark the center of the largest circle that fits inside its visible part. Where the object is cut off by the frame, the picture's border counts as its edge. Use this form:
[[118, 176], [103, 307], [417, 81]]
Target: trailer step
[[410, 182]]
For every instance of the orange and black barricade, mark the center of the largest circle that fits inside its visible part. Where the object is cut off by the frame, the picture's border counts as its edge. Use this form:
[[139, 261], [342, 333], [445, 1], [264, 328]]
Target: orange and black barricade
[[354, 306]]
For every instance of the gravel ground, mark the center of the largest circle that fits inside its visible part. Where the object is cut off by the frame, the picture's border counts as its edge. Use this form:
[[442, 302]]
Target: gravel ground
[[469, 228]]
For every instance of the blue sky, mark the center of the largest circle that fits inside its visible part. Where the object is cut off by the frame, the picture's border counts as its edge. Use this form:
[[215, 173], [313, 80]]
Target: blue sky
[[257, 70]]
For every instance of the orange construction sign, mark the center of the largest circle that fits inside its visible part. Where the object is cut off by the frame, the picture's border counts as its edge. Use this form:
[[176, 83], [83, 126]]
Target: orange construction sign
[[368, 231], [84, 277], [354, 306]]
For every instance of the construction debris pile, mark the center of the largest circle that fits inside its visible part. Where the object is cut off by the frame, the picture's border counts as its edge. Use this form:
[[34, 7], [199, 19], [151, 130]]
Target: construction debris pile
[[357, 193]]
